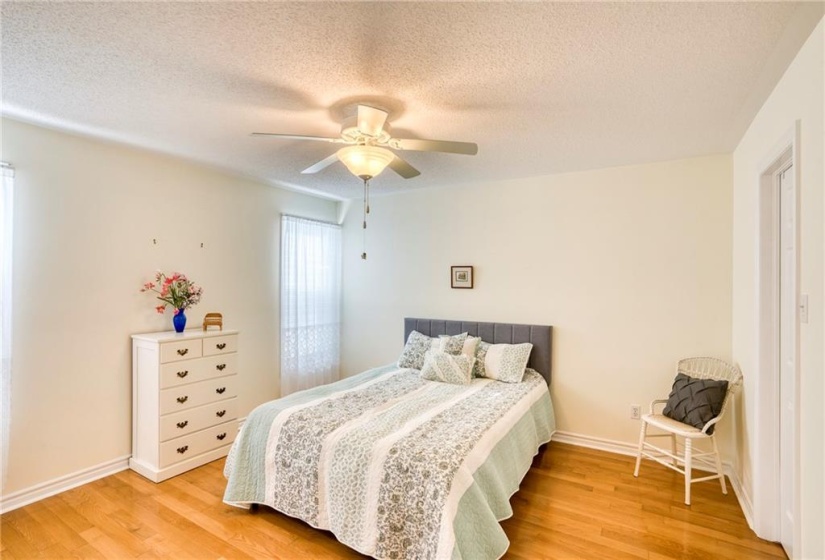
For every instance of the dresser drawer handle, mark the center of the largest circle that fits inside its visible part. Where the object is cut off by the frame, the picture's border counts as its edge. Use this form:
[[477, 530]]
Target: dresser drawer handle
[[183, 374], [183, 399], [183, 449], [221, 436], [220, 390], [221, 346], [183, 424], [183, 351], [221, 367], [220, 413]]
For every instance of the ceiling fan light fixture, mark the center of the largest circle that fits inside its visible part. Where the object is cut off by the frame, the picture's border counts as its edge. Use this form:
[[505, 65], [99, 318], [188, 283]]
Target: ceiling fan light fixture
[[365, 162]]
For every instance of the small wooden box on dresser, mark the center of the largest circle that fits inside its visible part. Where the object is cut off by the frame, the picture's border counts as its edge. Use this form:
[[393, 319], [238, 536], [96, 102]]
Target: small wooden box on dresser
[[184, 400]]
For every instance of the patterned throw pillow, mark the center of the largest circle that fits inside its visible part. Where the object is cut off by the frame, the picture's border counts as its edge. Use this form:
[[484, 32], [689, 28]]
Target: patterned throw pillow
[[447, 368], [413, 354], [507, 362], [481, 353], [695, 402], [452, 344], [470, 346]]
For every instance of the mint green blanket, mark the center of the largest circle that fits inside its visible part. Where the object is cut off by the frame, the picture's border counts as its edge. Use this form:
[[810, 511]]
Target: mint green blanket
[[393, 465]]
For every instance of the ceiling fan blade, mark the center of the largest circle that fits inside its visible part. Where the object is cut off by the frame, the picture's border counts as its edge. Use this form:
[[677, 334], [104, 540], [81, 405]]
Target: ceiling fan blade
[[371, 120], [298, 137], [466, 148], [403, 168], [323, 164]]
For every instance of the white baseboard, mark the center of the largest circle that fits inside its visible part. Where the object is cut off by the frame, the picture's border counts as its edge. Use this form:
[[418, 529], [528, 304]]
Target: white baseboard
[[50, 488], [626, 448], [46, 489], [610, 445], [741, 495]]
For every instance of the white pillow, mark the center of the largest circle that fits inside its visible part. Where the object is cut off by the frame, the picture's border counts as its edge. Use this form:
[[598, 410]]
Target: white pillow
[[470, 346], [447, 368], [450, 344], [481, 353], [418, 344], [413, 353], [507, 362]]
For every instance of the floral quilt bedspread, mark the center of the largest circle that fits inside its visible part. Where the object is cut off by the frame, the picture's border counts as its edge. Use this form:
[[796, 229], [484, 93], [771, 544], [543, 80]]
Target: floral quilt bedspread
[[381, 460]]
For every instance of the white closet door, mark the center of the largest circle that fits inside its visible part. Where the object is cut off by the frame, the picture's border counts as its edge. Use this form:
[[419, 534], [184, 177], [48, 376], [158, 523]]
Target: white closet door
[[787, 353]]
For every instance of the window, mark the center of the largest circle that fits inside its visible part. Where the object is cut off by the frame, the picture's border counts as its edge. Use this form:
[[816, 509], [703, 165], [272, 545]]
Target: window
[[310, 303]]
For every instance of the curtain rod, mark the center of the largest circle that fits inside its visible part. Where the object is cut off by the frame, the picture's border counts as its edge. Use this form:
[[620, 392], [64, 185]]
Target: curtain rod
[[310, 220]]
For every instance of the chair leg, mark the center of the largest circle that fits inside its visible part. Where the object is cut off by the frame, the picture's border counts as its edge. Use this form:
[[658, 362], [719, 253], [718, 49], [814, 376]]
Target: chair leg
[[719, 465], [642, 434], [688, 466], [675, 461]]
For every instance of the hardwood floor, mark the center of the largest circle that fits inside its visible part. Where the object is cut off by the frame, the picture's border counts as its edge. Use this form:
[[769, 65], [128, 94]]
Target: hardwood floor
[[574, 503]]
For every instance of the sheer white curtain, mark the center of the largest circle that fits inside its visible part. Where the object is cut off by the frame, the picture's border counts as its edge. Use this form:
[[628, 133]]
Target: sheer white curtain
[[310, 303], [5, 314]]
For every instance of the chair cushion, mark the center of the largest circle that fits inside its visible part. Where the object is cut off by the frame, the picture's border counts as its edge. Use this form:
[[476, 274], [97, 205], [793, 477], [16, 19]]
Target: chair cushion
[[695, 401], [671, 425]]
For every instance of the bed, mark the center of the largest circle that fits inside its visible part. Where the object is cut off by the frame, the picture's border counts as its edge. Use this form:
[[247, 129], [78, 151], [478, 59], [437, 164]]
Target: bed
[[396, 466]]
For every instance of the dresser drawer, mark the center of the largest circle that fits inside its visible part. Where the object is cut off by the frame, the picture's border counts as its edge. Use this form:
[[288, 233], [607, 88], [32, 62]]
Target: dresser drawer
[[220, 365], [220, 344], [196, 443], [191, 371], [194, 419], [181, 350], [184, 371], [188, 396]]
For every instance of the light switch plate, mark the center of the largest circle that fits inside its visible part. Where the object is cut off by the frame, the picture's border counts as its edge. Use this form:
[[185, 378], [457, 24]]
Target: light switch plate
[[803, 308]]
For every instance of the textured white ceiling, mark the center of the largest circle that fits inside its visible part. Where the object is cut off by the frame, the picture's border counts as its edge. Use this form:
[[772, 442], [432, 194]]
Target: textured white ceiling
[[541, 87]]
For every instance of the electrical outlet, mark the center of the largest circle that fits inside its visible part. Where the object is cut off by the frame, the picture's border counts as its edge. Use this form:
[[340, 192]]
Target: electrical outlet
[[635, 411]]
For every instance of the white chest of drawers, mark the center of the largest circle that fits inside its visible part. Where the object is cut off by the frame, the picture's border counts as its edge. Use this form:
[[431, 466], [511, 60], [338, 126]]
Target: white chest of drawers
[[184, 400]]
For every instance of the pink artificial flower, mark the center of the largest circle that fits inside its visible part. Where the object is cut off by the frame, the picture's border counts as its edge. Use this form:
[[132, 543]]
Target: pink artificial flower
[[175, 286]]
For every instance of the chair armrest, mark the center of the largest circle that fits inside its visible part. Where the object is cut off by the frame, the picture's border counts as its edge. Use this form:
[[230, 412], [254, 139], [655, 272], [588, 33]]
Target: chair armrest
[[654, 403], [710, 423]]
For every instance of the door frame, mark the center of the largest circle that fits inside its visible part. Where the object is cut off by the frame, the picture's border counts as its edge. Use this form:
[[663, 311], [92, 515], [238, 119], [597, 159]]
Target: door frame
[[766, 444]]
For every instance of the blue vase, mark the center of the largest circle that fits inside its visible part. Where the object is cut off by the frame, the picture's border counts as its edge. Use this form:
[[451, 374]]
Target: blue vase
[[179, 320]]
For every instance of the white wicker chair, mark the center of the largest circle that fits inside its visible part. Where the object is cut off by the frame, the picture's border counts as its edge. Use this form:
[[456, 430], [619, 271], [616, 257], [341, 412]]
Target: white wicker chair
[[702, 368]]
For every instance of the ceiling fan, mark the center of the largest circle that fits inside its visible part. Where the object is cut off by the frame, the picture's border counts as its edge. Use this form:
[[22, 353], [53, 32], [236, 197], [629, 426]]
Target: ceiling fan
[[368, 143]]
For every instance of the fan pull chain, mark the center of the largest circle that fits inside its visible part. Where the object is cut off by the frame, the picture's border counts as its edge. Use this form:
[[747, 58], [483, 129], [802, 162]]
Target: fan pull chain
[[366, 211]]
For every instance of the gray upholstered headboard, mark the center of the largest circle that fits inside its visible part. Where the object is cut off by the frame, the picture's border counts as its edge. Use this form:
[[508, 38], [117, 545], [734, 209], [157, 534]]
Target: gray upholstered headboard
[[541, 336]]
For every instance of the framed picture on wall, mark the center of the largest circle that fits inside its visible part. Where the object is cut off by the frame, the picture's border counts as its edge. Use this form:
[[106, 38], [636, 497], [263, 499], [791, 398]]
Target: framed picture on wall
[[461, 277]]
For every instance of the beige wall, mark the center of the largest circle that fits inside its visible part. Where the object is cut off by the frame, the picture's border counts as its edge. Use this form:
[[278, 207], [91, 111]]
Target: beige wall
[[799, 95], [86, 213], [631, 265]]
